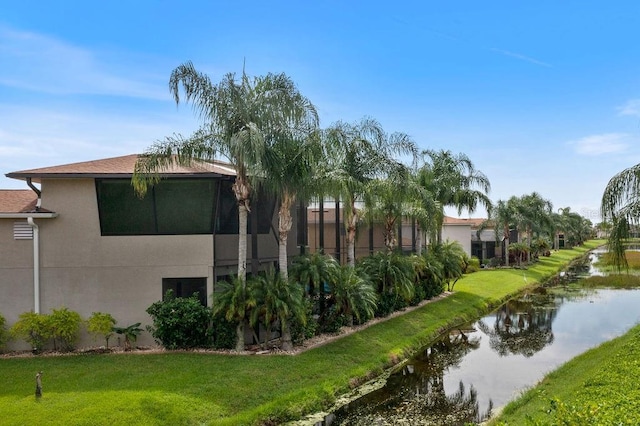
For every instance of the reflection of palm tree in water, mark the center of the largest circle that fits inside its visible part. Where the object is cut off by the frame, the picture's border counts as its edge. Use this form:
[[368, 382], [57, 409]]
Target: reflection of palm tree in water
[[415, 394], [521, 327]]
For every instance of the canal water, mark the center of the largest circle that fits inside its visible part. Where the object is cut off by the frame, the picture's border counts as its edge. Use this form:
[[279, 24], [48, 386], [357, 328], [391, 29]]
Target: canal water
[[483, 365]]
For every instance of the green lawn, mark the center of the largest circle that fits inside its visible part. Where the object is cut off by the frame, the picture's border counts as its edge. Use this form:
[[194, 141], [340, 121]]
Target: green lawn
[[196, 388]]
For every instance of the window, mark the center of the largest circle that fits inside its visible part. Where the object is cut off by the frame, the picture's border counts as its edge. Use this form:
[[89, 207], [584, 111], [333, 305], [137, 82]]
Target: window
[[176, 207], [186, 287], [172, 207]]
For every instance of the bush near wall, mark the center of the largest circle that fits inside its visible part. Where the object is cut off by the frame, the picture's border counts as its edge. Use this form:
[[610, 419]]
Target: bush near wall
[[180, 323]]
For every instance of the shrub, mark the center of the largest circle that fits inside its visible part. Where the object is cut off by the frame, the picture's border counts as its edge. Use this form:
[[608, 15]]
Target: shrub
[[101, 324], [4, 334], [223, 332], [34, 328], [433, 288], [332, 321], [301, 331], [419, 295], [65, 328], [179, 322], [473, 266], [386, 304]]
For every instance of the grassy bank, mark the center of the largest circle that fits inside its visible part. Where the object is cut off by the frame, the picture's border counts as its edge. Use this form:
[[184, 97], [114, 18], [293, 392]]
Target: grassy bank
[[194, 388], [599, 387]]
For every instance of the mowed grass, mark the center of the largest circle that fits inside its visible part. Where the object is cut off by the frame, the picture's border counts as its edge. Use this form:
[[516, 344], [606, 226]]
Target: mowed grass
[[599, 387], [204, 388]]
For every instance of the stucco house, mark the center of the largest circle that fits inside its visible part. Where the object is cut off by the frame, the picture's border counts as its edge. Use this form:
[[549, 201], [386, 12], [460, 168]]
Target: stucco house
[[80, 237]]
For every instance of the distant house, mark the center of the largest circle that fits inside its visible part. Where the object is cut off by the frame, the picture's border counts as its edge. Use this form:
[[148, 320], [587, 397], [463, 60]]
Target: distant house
[[323, 234], [84, 240], [478, 238]]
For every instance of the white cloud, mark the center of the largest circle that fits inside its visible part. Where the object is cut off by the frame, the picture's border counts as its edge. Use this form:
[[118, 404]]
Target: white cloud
[[607, 143], [46, 64], [632, 107]]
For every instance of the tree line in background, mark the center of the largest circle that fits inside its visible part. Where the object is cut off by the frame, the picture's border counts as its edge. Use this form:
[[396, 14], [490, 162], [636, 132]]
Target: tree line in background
[[269, 132]]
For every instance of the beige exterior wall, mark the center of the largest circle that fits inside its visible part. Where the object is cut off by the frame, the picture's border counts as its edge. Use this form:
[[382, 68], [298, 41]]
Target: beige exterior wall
[[87, 272], [459, 233]]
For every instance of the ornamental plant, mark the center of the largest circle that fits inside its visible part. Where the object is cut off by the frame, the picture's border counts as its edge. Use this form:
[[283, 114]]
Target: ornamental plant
[[34, 328], [65, 328], [179, 322], [101, 324]]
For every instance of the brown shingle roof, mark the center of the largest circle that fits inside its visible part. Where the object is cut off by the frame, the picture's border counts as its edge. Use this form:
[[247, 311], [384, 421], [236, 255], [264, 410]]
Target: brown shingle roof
[[117, 167], [17, 200]]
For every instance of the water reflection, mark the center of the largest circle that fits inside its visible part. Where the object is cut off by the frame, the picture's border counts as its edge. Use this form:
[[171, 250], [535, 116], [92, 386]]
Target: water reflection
[[455, 380], [522, 326], [417, 391]]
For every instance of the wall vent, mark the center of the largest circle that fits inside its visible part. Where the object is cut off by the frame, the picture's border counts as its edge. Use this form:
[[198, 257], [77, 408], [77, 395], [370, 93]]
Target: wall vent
[[22, 231]]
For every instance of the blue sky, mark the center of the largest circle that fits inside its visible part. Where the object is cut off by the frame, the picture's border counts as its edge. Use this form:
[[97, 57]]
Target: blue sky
[[542, 96]]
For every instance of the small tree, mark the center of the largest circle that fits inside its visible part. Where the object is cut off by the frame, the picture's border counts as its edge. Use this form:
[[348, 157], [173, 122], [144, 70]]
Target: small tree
[[101, 324], [65, 328], [34, 328]]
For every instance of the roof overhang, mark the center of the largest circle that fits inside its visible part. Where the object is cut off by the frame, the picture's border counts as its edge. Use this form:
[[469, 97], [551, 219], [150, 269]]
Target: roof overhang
[[47, 215]]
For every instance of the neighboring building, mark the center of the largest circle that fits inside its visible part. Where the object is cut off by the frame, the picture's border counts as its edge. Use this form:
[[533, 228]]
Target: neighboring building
[[371, 239], [84, 240], [368, 239]]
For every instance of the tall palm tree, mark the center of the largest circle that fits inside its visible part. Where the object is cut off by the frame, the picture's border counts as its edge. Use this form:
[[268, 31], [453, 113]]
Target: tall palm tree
[[620, 206], [356, 154], [389, 200], [237, 117], [454, 182], [534, 215], [290, 163], [503, 217]]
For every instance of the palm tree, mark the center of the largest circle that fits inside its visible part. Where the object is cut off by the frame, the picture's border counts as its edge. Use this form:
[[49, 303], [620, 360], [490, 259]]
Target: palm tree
[[533, 215], [621, 207], [234, 300], [392, 273], [289, 167], [313, 271], [276, 299], [454, 261], [389, 200], [504, 216], [356, 155], [353, 295], [454, 182], [238, 117]]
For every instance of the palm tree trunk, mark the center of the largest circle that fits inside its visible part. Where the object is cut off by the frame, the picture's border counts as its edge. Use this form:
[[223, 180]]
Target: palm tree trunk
[[419, 241], [287, 343], [240, 336], [351, 220], [242, 193], [284, 226]]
